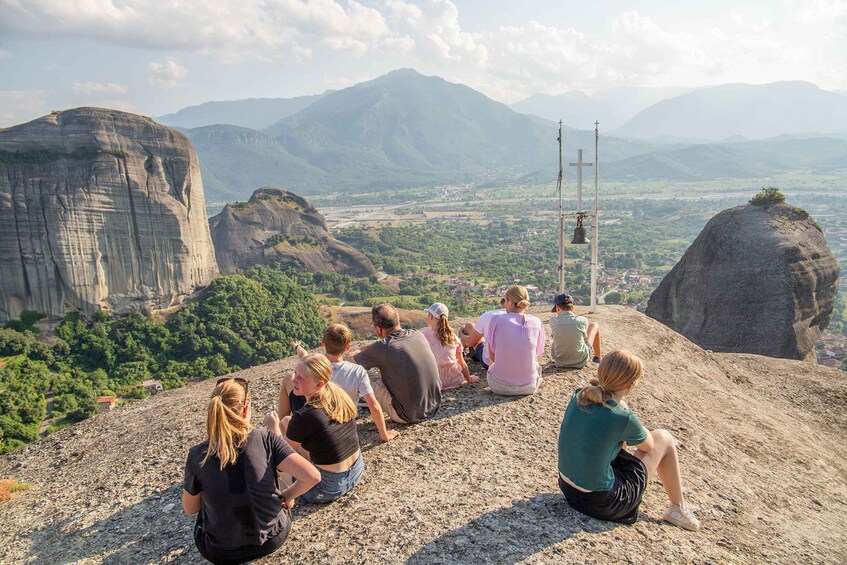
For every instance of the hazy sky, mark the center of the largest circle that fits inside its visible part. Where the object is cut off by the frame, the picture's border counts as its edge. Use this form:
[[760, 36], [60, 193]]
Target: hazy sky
[[156, 56]]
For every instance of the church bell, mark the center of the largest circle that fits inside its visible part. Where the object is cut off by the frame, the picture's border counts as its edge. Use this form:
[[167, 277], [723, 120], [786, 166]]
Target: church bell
[[579, 237]]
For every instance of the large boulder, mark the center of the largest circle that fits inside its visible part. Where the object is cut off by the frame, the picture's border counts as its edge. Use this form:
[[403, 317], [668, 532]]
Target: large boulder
[[758, 279], [278, 226], [99, 210]]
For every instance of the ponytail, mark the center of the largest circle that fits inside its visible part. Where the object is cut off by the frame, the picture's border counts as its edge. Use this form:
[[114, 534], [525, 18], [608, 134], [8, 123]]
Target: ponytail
[[617, 371], [226, 426], [445, 332], [593, 394], [519, 296], [335, 402]]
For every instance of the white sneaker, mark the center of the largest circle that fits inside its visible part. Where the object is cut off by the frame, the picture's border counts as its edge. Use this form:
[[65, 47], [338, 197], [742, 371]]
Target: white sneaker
[[682, 517]]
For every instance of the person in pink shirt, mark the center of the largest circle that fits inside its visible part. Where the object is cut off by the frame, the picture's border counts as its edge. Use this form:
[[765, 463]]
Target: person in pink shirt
[[452, 369], [516, 341]]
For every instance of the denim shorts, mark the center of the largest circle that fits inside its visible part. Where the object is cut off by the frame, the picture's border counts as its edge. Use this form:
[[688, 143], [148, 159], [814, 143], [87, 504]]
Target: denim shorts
[[478, 354], [335, 485]]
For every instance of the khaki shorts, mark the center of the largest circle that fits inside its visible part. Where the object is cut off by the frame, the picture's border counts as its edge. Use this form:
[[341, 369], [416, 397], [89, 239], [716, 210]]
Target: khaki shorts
[[504, 389], [384, 398]]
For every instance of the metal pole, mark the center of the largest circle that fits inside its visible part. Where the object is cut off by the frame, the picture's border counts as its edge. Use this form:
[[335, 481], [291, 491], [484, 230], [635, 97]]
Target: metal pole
[[561, 219], [596, 220]]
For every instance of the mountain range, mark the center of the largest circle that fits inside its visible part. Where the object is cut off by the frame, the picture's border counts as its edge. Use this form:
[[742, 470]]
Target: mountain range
[[611, 107], [400, 130], [253, 113], [753, 111], [405, 129]]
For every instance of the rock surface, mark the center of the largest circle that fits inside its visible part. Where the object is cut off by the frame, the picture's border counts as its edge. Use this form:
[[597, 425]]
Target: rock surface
[[761, 448], [278, 225], [758, 279], [99, 209]]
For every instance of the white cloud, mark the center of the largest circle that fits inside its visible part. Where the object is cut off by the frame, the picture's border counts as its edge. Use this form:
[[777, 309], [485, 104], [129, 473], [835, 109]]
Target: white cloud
[[20, 106], [817, 10], [249, 29], [433, 29], [4, 54], [166, 74], [533, 57], [89, 88], [793, 40]]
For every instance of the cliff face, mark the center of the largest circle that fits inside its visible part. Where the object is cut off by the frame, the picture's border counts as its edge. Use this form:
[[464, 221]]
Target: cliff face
[[758, 279], [99, 209], [278, 225]]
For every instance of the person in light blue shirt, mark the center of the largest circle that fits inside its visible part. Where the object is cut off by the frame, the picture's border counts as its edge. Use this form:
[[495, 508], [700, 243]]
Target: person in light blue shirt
[[597, 475]]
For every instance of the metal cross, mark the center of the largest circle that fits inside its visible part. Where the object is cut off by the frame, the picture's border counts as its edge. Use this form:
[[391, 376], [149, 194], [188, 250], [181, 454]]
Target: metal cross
[[579, 165]]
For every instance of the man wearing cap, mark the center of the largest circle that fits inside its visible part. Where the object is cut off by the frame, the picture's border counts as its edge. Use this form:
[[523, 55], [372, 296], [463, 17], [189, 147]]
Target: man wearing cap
[[575, 340], [409, 387], [472, 336]]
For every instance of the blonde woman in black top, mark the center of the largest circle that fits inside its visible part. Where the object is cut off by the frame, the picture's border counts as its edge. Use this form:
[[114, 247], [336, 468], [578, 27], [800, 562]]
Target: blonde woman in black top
[[324, 430], [242, 514]]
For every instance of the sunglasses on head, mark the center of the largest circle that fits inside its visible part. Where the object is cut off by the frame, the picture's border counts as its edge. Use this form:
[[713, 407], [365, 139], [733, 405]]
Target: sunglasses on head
[[239, 380]]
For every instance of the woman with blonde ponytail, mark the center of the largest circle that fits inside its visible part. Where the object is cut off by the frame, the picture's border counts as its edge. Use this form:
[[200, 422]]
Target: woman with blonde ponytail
[[324, 430], [447, 349], [515, 342], [227, 476], [597, 475]]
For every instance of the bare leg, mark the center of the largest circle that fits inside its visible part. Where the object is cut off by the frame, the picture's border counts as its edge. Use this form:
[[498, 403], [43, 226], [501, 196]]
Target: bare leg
[[592, 336], [286, 387], [663, 460], [465, 333]]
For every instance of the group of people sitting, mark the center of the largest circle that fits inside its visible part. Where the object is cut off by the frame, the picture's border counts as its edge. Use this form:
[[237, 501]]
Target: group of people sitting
[[242, 482]]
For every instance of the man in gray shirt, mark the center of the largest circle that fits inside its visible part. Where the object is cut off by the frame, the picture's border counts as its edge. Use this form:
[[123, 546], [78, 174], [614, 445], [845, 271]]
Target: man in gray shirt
[[409, 387]]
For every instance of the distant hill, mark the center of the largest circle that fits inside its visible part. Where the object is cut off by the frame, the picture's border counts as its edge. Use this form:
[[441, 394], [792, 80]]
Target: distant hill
[[741, 160], [405, 120], [399, 130], [278, 226], [254, 113], [234, 160], [575, 109], [753, 111], [611, 107]]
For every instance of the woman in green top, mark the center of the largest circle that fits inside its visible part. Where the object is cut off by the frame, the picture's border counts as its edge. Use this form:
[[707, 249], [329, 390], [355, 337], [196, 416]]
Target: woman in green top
[[596, 474]]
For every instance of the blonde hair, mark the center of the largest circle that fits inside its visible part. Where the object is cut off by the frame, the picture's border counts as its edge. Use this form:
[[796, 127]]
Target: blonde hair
[[336, 339], [331, 398], [445, 332], [617, 371], [225, 422], [519, 296]]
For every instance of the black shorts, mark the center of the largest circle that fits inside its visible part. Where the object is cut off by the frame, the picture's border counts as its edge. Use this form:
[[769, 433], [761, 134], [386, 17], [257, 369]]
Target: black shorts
[[238, 555], [618, 504]]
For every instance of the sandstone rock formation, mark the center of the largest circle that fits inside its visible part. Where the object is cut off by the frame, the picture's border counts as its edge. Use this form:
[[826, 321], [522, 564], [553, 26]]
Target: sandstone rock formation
[[477, 483], [278, 225], [99, 209], [758, 279]]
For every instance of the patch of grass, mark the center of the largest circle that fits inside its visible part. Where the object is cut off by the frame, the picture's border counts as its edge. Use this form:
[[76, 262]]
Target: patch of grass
[[59, 424], [9, 488]]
